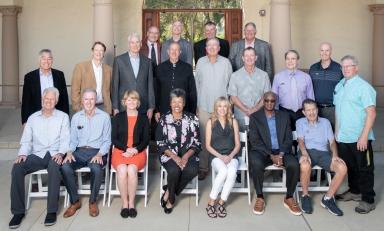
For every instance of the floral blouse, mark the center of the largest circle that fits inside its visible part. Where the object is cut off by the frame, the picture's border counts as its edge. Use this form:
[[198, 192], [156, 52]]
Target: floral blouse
[[178, 135]]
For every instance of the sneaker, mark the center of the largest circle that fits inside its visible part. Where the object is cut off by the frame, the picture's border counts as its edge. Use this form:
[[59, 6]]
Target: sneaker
[[292, 205], [330, 204], [348, 196], [364, 207], [16, 221], [50, 219], [306, 204], [259, 207]]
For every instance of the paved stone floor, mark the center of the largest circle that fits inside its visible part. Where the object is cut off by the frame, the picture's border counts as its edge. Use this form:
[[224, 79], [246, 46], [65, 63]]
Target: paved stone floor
[[186, 216]]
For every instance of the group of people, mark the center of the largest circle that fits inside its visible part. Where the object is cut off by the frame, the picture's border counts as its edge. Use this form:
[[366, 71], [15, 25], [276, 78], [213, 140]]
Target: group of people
[[194, 127]]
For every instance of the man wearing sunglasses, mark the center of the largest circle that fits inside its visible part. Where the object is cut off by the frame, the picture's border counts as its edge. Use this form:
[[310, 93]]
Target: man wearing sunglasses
[[270, 137]]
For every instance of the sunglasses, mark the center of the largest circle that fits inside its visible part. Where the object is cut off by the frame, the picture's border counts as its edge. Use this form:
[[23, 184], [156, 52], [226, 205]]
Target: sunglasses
[[269, 100]]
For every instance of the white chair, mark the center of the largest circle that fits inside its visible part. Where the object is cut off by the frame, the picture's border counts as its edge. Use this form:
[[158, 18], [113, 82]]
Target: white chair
[[42, 187], [142, 189], [243, 186], [191, 188], [316, 186], [85, 188]]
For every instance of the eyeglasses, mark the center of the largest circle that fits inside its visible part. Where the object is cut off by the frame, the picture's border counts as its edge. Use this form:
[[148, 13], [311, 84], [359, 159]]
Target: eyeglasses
[[348, 66], [269, 100]]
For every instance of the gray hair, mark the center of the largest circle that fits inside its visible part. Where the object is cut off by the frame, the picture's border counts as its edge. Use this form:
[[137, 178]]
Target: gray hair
[[270, 93], [177, 93], [350, 57], [250, 24], [51, 90], [45, 50], [134, 35], [326, 43], [213, 39], [88, 90]]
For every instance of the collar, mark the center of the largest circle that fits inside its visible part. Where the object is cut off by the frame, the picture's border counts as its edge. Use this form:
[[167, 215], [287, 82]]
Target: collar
[[149, 44], [97, 111], [95, 66], [40, 113], [133, 56], [41, 72]]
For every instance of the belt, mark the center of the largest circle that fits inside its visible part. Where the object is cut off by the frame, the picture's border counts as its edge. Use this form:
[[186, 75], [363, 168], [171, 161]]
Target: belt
[[87, 147], [325, 105]]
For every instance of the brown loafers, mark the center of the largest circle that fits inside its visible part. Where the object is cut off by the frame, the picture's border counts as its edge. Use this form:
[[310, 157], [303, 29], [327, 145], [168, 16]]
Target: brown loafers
[[72, 209], [93, 210]]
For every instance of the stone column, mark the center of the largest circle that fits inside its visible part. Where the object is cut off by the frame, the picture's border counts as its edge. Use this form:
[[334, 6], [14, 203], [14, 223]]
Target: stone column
[[10, 55], [378, 52], [103, 27], [280, 31]]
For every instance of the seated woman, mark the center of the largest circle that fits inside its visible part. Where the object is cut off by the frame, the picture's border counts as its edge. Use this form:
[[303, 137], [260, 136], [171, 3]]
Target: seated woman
[[178, 141], [223, 142], [130, 137]]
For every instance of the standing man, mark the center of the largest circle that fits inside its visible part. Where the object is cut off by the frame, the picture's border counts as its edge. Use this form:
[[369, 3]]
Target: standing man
[[325, 75], [270, 137], [89, 147], [171, 74], [314, 134], [44, 141], [355, 104], [263, 50], [36, 81], [247, 87], [93, 74], [212, 77], [292, 87], [133, 71], [210, 32], [186, 47], [151, 47]]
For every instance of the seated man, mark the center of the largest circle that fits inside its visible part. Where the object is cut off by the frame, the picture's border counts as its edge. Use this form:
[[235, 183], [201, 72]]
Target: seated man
[[89, 147], [44, 141], [313, 135], [270, 137]]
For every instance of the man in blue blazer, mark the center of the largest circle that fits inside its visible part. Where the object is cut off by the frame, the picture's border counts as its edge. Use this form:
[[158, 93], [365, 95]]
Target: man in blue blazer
[[36, 81]]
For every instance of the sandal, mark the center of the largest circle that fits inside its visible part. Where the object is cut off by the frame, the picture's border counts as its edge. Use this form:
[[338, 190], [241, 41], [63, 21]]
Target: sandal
[[211, 211], [221, 211]]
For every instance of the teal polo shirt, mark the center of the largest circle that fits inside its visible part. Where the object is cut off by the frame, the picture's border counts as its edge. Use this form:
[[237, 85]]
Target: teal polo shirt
[[351, 98]]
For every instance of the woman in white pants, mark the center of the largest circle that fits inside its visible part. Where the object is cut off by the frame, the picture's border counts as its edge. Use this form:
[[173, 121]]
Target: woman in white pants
[[222, 141]]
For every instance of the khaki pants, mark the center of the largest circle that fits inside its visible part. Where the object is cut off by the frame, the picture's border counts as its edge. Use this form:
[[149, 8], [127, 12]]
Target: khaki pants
[[204, 116]]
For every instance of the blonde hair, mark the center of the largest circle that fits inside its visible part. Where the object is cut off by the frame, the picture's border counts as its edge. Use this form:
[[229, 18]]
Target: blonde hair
[[133, 94], [215, 116]]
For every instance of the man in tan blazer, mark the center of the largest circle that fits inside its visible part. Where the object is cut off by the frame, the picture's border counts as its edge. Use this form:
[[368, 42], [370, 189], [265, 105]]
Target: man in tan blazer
[[93, 74]]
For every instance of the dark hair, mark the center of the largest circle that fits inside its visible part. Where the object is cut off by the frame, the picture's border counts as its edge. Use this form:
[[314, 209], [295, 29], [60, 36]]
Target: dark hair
[[99, 43], [177, 92], [308, 101], [292, 51], [249, 49], [209, 23]]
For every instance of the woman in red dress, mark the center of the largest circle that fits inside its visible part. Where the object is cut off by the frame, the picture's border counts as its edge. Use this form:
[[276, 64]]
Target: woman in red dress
[[130, 138]]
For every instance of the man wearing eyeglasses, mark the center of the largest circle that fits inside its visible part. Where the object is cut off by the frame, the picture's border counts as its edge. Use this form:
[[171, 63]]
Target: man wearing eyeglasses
[[270, 137], [355, 104], [247, 86], [325, 74]]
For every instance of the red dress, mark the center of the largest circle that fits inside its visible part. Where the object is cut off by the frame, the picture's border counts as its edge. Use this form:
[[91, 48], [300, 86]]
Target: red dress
[[139, 159]]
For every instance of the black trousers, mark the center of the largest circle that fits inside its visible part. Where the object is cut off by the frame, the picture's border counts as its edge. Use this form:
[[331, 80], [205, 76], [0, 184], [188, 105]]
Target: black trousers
[[293, 116], [360, 169], [258, 161], [83, 157], [177, 179], [32, 164]]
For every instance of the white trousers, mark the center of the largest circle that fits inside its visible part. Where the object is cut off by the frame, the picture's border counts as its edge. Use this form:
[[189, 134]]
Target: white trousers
[[225, 178]]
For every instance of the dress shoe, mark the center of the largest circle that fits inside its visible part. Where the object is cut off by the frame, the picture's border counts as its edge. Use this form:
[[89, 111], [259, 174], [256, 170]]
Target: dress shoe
[[93, 209], [132, 212], [124, 212], [162, 201], [72, 209], [16, 221]]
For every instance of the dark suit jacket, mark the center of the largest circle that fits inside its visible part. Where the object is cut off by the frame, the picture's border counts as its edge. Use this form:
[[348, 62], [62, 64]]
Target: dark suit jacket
[[259, 135], [31, 99], [120, 132], [124, 79], [263, 51], [144, 50], [199, 48]]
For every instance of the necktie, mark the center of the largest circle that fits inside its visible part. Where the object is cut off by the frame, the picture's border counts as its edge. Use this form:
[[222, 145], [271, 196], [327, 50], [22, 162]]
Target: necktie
[[294, 95], [153, 55]]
